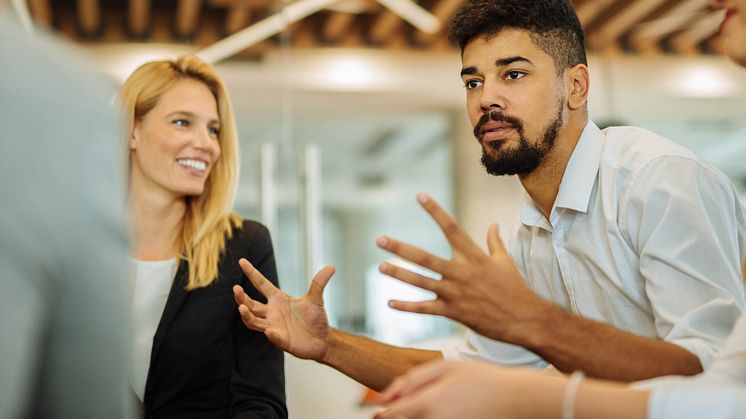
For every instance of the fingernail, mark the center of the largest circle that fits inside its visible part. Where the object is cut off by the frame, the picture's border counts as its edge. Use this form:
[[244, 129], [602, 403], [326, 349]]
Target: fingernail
[[382, 241], [384, 267], [422, 198]]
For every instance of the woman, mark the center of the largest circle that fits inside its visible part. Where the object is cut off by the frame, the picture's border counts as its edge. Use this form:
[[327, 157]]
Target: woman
[[469, 390], [193, 356]]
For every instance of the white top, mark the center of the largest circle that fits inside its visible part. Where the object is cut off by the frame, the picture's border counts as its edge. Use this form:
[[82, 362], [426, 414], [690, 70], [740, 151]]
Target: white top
[[643, 236], [151, 284], [719, 393]]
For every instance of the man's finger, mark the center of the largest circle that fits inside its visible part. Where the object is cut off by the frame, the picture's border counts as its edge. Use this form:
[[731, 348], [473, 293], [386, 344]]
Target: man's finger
[[251, 321], [415, 255], [316, 290], [494, 242], [433, 307], [257, 279], [409, 277], [455, 235]]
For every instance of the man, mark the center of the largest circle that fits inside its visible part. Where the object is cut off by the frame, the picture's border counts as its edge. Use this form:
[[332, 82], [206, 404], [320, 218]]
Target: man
[[628, 243], [63, 246]]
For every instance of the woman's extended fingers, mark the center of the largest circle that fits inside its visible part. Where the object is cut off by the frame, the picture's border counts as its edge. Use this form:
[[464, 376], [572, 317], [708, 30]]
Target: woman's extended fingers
[[413, 380], [257, 279], [316, 290], [409, 277], [251, 321]]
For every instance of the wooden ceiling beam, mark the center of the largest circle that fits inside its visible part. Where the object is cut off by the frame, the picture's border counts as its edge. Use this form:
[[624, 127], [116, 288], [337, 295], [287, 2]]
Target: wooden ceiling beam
[[444, 11], [674, 19], [238, 16], [89, 16], [138, 17], [688, 41], [382, 30], [623, 21], [590, 10], [336, 25], [42, 12], [187, 16]]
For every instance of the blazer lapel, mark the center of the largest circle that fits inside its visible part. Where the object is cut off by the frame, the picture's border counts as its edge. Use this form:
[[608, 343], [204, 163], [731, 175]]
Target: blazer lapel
[[176, 297]]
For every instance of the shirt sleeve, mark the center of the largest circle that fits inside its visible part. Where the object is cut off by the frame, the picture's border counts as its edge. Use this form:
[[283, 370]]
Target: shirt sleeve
[[481, 349], [686, 224], [696, 397]]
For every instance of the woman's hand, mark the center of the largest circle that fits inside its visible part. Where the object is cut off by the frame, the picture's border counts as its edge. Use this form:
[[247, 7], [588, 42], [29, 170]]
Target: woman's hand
[[298, 326]]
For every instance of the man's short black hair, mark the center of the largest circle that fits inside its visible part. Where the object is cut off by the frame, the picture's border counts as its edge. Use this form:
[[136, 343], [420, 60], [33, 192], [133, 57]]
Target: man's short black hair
[[552, 25]]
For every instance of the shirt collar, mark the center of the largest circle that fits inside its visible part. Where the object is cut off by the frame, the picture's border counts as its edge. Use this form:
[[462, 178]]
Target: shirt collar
[[578, 179]]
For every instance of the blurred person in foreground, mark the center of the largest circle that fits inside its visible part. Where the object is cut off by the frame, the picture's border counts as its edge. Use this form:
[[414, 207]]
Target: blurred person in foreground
[[193, 357], [457, 390], [625, 262], [64, 346]]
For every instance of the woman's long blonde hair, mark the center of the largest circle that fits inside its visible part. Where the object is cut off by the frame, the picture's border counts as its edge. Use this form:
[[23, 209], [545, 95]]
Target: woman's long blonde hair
[[208, 221]]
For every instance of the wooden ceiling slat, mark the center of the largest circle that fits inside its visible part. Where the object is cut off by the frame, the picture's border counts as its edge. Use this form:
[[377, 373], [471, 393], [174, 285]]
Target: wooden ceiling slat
[[590, 10], [444, 11], [336, 25], [138, 16], [623, 21], [187, 15], [671, 21], [384, 27], [238, 17], [89, 16], [689, 40], [41, 11]]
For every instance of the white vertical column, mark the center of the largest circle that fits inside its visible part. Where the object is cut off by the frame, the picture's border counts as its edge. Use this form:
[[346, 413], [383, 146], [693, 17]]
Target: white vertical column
[[312, 213], [267, 187]]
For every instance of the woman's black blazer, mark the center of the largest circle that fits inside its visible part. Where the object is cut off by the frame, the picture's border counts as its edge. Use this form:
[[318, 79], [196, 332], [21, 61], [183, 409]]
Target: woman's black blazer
[[205, 363]]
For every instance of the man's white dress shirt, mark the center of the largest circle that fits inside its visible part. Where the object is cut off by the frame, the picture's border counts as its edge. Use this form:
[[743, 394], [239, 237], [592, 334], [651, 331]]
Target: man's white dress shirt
[[643, 236]]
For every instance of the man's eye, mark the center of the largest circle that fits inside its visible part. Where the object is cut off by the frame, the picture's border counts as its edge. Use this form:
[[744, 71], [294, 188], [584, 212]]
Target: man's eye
[[515, 75], [472, 84]]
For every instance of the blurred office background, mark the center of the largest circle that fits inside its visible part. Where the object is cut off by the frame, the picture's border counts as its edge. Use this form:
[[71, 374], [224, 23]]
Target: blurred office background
[[346, 109]]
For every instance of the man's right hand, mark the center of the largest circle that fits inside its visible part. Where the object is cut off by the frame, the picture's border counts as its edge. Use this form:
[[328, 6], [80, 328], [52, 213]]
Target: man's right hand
[[298, 326]]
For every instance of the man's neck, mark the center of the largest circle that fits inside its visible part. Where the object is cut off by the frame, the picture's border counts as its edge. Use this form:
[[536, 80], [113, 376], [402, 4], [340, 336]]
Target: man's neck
[[543, 184]]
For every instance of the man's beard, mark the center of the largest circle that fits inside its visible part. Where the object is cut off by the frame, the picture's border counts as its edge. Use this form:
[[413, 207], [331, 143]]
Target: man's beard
[[500, 160]]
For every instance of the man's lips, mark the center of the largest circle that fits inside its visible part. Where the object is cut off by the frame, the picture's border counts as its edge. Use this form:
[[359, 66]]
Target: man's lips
[[494, 130]]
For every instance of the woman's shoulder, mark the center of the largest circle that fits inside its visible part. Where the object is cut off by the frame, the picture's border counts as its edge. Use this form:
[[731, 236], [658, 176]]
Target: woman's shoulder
[[246, 232]]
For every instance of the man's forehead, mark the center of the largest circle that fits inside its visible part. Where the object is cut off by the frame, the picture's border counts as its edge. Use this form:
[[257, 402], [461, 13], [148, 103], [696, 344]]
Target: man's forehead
[[507, 43]]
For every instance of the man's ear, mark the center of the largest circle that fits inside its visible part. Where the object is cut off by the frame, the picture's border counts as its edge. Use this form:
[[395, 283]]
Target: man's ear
[[578, 83]]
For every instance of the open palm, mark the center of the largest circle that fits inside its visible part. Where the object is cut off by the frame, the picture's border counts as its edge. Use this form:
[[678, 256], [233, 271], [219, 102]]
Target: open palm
[[298, 326]]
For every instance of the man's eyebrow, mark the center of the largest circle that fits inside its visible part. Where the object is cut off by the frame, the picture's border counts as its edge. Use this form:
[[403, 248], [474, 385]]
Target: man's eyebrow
[[500, 62], [468, 70]]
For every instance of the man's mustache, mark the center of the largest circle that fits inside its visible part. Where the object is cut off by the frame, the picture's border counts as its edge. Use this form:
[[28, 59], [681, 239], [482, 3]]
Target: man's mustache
[[497, 116]]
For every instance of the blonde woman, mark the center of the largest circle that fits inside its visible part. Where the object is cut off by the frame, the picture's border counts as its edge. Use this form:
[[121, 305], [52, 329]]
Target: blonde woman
[[193, 356], [468, 390]]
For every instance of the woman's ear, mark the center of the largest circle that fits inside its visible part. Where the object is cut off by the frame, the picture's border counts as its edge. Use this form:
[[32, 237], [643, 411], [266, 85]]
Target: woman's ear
[[579, 82], [134, 138]]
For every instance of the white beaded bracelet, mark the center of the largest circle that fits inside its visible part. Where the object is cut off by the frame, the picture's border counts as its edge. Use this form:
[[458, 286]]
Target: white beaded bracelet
[[568, 401]]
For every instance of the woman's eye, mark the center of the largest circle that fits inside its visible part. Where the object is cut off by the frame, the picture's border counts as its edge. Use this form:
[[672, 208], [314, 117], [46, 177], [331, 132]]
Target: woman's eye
[[181, 122], [472, 84], [515, 75], [214, 131]]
